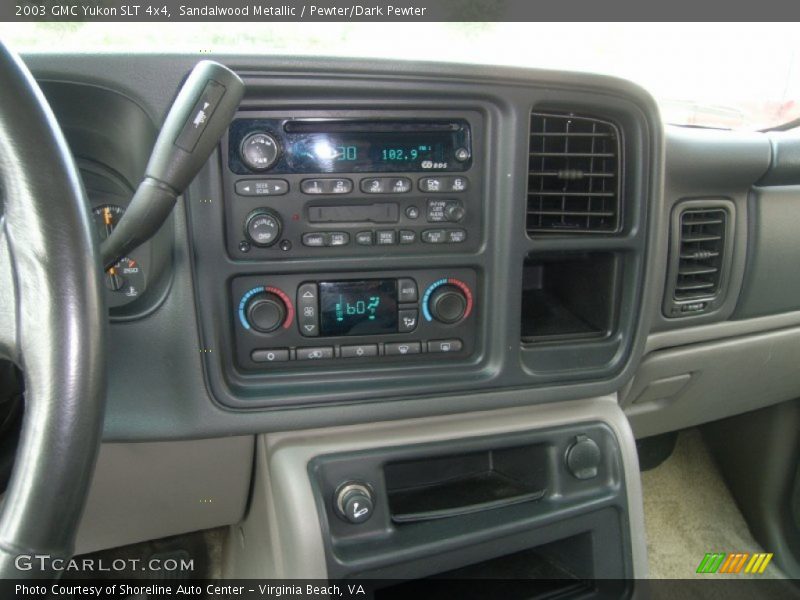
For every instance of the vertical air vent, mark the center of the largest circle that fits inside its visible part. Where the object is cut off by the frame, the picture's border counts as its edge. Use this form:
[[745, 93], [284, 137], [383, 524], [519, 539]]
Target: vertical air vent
[[700, 262], [573, 175], [699, 255]]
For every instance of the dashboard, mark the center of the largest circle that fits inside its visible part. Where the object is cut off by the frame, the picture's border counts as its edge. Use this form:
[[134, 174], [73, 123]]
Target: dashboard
[[388, 272], [378, 241]]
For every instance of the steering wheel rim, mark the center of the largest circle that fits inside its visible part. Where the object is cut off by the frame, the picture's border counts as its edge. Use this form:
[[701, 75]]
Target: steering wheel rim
[[52, 325]]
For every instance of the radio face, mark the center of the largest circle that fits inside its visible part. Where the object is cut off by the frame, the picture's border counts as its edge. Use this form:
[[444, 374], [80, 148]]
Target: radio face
[[348, 146], [314, 187]]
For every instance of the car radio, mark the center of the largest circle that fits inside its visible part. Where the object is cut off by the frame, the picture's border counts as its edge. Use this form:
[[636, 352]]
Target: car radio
[[308, 186], [396, 315]]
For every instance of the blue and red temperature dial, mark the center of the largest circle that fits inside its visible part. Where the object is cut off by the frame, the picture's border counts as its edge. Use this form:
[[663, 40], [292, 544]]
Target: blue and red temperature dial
[[447, 300], [265, 309]]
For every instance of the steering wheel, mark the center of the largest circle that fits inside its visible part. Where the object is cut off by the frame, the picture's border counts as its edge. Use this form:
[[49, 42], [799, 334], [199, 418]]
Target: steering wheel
[[52, 324]]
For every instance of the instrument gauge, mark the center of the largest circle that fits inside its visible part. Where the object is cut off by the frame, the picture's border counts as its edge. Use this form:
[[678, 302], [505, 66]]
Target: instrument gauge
[[125, 281]]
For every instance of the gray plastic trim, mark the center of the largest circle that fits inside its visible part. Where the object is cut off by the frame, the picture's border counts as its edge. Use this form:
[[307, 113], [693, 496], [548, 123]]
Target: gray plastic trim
[[772, 279], [153, 490], [281, 536], [727, 377], [709, 164]]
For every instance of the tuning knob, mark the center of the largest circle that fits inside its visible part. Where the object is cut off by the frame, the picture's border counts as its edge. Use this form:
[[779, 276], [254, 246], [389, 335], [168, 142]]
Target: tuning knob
[[263, 227], [448, 304], [265, 312]]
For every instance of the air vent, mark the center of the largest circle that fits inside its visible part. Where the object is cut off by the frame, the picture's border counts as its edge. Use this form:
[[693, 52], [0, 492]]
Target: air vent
[[573, 175], [699, 256]]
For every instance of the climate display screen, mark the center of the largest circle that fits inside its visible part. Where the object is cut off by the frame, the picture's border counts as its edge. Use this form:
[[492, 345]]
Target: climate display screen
[[364, 307]]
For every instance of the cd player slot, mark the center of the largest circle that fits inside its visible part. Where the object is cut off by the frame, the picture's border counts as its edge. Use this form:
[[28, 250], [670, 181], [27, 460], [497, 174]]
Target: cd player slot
[[358, 126], [383, 212]]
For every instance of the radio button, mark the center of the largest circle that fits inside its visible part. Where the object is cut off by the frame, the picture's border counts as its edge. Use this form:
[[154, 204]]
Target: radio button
[[315, 239], [307, 307], [338, 186], [412, 212], [338, 238], [437, 185], [459, 184], [359, 350], [407, 236], [326, 186], [365, 238], [445, 346], [312, 186], [315, 353], [375, 185], [262, 187], [402, 348], [456, 236], [407, 320], [386, 185], [400, 185], [436, 211], [386, 237], [434, 236], [462, 154], [272, 355], [444, 211], [433, 184], [406, 291]]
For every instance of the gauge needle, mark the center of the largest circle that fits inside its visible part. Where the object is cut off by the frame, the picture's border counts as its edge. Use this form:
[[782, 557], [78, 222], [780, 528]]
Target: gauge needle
[[108, 219]]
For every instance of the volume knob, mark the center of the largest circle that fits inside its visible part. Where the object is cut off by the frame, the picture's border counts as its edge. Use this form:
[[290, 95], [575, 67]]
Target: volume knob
[[259, 151], [448, 304]]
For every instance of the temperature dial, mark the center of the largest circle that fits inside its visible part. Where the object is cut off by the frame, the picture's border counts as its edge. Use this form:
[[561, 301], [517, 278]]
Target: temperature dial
[[259, 151], [265, 309], [263, 227], [265, 312], [447, 301]]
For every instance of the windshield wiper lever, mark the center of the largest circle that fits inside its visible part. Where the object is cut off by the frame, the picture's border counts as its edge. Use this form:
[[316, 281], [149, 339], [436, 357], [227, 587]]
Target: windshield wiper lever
[[201, 113]]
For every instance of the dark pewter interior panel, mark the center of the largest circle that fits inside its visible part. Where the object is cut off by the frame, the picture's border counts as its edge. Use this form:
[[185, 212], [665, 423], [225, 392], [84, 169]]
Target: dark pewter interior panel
[[177, 371], [357, 191], [772, 280], [526, 490]]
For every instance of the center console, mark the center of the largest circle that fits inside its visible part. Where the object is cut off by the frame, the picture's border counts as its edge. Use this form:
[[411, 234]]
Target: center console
[[431, 240], [366, 185]]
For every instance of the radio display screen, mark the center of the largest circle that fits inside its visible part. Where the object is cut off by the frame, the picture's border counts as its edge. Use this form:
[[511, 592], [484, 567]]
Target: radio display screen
[[372, 152], [365, 307], [333, 146]]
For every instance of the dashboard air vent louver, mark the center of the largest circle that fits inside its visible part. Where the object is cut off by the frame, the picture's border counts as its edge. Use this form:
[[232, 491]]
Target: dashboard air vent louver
[[702, 243], [573, 175]]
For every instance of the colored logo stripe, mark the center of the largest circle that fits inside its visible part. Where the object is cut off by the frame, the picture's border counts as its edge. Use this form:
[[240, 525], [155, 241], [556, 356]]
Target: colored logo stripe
[[758, 563], [733, 563], [711, 562]]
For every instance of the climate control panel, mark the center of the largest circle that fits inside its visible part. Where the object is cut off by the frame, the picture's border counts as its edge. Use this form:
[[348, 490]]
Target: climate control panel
[[287, 321]]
